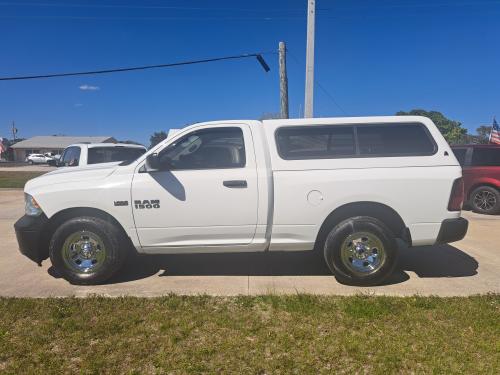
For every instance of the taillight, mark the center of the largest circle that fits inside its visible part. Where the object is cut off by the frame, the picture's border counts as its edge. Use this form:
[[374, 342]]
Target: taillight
[[457, 195]]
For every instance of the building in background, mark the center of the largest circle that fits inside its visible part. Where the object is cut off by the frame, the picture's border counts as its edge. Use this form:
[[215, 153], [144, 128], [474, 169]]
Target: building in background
[[54, 144]]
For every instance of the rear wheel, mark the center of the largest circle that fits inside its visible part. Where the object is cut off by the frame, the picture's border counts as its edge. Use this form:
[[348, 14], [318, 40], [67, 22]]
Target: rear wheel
[[87, 250], [361, 251], [485, 200]]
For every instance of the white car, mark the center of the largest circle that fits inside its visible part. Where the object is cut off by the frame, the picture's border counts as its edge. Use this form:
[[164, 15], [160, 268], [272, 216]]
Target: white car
[[345, 187], [82, 154], [38, 158]]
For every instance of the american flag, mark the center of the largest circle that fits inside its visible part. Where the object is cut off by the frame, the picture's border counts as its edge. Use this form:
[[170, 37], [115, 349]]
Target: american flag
[[3, 148], [495, 133]]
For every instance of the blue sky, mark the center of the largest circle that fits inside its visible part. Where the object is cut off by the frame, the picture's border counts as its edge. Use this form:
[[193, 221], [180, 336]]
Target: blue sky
[[372, 57]]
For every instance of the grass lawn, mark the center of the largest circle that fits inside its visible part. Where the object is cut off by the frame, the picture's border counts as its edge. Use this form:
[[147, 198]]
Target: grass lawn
[[300, 334], [14, 179]]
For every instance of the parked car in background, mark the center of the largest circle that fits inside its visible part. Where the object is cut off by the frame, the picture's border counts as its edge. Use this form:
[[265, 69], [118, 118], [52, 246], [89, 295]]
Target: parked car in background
[[481, 173], [39, 158], [81, 154], [53, 155]]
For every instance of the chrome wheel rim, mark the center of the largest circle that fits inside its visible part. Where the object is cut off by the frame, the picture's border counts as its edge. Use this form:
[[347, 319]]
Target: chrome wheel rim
[[485, 200], [84, 252], [363, 253]]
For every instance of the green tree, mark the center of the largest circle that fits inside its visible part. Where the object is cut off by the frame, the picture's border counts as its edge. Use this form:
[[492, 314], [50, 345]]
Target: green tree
[[130, 142], [157, 137], [452, 130], [483, 134]]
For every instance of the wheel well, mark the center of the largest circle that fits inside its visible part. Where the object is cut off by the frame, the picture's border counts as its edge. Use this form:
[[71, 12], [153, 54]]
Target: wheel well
[[380, 211], [70, 213], [474, 187]]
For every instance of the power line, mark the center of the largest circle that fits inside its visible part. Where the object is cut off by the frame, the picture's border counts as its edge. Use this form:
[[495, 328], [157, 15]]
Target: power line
[[152, 18], [322, 88], [258, 56], [325, 91], [127, 6]]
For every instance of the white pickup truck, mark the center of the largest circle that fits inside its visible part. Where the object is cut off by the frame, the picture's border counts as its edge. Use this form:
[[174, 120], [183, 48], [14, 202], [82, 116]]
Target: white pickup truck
[[82, 154], [344, 187]]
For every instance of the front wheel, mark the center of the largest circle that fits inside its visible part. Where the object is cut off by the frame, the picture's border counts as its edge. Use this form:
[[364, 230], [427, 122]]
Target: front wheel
[[87, 250], [361, 251], [485, 200], [30, 162]]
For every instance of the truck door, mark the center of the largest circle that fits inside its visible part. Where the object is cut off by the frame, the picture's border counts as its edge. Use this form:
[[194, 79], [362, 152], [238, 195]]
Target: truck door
[[205, 192]]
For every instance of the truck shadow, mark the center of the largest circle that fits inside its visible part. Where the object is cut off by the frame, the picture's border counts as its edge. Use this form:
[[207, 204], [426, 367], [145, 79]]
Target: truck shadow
[[426, 262]]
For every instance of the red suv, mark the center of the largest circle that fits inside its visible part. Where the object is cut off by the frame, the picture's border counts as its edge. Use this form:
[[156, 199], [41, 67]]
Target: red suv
[[481, 171]]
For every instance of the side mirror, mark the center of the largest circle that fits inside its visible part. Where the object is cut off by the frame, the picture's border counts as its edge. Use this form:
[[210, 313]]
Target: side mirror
[[152, 162]]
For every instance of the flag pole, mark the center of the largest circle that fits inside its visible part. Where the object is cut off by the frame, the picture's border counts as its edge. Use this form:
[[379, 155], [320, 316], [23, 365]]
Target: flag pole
[[491, 131]]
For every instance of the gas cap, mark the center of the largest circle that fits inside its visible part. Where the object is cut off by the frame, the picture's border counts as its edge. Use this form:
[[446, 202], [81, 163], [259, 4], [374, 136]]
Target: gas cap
[[315, 197]]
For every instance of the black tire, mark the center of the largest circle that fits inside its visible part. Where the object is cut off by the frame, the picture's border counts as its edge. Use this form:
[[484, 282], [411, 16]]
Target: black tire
[[30, 162], [112, 239], [376, 230], [485, 200]]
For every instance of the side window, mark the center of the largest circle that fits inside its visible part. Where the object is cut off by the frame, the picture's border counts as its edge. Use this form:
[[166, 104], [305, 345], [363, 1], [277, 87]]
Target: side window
[[486, 157], [320, 142], [372, 140], [71, 156], [214, 148], [460, 155], [98, 155], [394, 140]]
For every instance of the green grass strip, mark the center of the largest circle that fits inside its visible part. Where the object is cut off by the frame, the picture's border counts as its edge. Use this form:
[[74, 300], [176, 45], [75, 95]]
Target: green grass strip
[[14, 179], [300, 334]]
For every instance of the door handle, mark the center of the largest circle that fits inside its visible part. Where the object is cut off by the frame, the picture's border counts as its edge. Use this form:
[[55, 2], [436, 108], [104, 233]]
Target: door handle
[[238, 184]]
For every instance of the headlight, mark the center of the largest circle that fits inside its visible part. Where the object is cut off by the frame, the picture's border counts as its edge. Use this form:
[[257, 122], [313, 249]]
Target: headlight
[[31, 207]]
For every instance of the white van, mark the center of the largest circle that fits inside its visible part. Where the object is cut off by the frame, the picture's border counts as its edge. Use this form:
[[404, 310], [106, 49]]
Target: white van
[[345, 187]]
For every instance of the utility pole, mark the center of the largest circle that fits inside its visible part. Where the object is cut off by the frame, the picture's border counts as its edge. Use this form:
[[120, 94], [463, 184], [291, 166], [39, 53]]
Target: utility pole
[[283, 81], [308, 102], [14, 131]]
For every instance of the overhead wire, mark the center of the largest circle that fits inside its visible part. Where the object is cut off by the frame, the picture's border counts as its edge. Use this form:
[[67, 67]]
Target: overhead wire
[[321, 87], [144, 67]]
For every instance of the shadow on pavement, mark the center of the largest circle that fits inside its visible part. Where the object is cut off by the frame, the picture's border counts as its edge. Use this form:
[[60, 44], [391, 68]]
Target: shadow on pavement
[[429, 262]]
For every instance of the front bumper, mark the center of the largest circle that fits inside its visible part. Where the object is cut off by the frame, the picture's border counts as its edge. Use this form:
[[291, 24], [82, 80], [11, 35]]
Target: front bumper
[[29, 233], [452, 230]]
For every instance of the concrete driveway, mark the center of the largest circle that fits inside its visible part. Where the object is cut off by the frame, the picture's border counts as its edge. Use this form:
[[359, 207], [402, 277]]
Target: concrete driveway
[[470, 266]]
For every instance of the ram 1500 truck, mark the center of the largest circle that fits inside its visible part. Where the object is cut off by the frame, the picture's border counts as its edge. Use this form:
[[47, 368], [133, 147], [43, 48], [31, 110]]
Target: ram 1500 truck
[[344, 187]]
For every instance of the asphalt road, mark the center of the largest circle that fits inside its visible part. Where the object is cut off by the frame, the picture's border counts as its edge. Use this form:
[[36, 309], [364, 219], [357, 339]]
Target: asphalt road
[[471, 266]]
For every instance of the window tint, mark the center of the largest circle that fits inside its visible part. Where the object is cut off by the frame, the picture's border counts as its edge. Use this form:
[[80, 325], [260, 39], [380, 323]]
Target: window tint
[[460, 155], [318, 142], [325, 142], [394, 140], [486, 156], [71, 156], [206, 149], [110, 154]]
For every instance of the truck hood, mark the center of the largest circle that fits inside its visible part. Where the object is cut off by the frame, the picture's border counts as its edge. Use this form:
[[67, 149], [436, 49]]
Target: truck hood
[[71, 174]]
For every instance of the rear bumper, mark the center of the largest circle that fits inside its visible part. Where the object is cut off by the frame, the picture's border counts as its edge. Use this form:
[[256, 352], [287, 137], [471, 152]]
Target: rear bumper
[[452, 230], [29, 233]]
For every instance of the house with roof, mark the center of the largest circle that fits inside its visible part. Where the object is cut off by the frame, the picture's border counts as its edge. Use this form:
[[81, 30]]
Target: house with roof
[[54, 144]]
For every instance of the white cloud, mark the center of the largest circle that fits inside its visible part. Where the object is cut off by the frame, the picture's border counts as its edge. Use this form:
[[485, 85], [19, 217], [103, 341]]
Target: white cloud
[[89, 88]]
